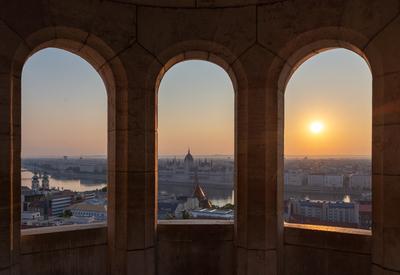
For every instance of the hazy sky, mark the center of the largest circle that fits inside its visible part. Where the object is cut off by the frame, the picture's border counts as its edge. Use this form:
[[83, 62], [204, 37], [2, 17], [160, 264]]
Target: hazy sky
[[334, 88], [195, 108], [64, 107]]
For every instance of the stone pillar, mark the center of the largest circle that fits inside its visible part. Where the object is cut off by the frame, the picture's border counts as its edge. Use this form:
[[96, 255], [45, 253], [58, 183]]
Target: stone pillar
[[132, 195], [258, 210], [5, 177], [10, 151], [383, 54], [9, 176], [386, 174]]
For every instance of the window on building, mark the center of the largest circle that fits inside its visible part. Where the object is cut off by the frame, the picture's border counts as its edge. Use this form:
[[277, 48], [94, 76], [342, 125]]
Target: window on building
[[64, 141], [196, 143], [328, 122]]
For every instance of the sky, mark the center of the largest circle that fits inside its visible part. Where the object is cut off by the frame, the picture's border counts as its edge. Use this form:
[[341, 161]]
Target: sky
[[333, 88], [196, 110], [64, 107]]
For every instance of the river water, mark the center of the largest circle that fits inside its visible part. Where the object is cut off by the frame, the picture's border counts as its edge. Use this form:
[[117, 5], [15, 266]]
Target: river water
[[73, 185], [218, 196]]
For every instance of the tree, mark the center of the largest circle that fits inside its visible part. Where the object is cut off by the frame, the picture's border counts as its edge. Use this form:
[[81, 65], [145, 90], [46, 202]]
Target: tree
[[185, 215], [228, 206], [67, 213]]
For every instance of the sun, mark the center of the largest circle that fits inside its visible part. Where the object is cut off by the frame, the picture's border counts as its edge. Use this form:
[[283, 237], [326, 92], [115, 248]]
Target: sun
[[316, 127]]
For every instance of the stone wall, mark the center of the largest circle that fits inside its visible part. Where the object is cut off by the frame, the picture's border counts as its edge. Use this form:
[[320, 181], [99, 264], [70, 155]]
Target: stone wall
[[132, 43], [326, 250], [65, 250], [198, 249]]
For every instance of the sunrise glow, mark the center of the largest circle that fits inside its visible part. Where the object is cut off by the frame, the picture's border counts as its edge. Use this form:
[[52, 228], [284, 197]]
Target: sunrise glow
[[316, 127]]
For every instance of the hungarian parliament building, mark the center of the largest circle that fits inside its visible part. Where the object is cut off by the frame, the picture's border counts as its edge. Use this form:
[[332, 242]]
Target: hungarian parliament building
[[211, 171]]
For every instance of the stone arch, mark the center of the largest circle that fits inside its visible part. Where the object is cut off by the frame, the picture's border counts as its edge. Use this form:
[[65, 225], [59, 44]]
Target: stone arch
[[206, 51], [289, 58], [107, 64], [86, 45], [304, 47], [213, 53]]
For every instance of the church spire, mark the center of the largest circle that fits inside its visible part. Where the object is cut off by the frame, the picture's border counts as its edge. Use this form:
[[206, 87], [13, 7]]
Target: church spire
[[198, 191]]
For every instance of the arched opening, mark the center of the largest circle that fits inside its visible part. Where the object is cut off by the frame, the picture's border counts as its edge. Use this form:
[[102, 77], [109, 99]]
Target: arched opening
[[63, 141], [196, 167], [327, 141]]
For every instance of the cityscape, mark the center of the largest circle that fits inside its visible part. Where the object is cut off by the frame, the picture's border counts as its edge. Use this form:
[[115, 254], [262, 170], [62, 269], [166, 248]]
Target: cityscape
[[328, 191], [63, 191], [322, 191]]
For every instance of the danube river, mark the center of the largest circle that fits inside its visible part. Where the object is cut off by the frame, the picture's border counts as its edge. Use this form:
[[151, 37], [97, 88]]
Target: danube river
[[73, 185], [218, 196]]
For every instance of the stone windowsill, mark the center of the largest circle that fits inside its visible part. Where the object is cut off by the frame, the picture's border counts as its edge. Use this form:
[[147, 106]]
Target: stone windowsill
[[311, 227], [47, 239], [73, 236], [325, 228], [349, 240], [59, 229], [195, 222]]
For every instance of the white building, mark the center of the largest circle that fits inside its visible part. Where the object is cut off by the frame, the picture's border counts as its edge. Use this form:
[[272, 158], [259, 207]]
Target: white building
[[294, 178], [334, 181], [30, 215], [326, 211], [213, 214], [58, 203], [86, 210], [330, 181], [316, 180], [360, 181], [342, 212], [190, 204]]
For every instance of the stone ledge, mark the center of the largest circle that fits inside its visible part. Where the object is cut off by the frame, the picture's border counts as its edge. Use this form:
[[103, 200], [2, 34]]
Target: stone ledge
[[57, 229], [195, 222], [384, 270], [329, 228], [328, 238], [41, 240], [198, 4]]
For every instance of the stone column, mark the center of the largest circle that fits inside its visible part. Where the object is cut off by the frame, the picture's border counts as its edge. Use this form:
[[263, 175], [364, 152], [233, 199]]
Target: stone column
[[5, 176], [384, 55], [386, 174], [132, 221], [10, 150], [258, 210]]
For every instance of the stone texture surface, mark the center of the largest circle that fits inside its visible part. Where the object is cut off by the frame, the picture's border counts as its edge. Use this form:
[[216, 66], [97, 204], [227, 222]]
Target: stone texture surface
[[183, 248], [322, 251], [132, 43], [71, 250]]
